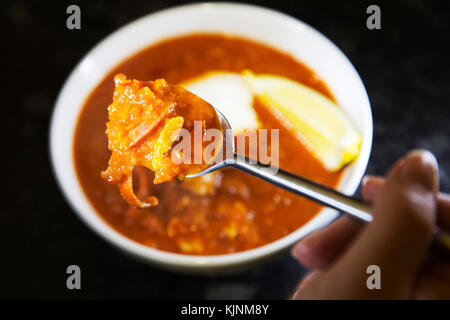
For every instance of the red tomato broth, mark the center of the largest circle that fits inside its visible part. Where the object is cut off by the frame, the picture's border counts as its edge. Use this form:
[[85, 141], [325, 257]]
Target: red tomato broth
[[232, 212]]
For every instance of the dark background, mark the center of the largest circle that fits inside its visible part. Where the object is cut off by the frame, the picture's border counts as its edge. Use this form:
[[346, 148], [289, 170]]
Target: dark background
[[404, 67]]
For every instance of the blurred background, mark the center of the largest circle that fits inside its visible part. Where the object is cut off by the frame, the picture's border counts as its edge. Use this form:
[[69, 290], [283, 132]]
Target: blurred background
[[404, 67]]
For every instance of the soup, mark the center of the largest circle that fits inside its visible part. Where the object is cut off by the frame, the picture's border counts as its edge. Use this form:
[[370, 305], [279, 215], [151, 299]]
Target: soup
[[224, 212]]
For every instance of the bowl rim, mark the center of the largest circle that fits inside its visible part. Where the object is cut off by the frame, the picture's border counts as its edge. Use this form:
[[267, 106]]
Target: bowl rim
[[101, 227]]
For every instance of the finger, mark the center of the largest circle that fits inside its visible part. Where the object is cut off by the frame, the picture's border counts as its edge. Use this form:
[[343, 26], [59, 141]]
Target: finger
[[372, 184], [420, 167], [397, 240], [443, 216], [321, 248], [306, 280]]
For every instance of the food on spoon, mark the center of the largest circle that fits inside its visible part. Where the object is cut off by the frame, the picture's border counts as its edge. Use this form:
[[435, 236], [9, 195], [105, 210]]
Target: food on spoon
[[145, 119]]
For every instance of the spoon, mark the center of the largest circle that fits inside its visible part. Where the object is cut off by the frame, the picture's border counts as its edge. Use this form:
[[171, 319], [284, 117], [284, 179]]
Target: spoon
[[291, 182]]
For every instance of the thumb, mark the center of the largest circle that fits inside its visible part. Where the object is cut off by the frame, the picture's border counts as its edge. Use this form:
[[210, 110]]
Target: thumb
[[398, 238]]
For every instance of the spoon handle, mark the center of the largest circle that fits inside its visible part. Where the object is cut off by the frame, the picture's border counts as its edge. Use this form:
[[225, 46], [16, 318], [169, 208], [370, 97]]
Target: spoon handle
[[304, 187], [317, 192]]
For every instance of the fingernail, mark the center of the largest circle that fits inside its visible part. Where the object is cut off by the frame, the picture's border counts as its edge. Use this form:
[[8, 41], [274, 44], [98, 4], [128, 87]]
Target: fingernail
[[364, 180], [299, 250], [369, 189], [421, 166]]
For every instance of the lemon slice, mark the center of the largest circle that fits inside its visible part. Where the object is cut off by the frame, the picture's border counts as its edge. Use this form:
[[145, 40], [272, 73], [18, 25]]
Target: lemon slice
[[316, 120]]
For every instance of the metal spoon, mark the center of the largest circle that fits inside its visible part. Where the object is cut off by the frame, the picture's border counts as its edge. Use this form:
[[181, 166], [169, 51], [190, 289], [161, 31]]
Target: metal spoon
[[296, 184], [283, 179]]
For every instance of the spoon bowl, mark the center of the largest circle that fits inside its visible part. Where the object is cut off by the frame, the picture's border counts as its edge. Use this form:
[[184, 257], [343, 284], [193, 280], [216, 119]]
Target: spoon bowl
[[226, 155]]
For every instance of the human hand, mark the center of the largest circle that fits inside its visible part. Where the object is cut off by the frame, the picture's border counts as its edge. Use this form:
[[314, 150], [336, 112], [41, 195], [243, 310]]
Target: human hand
[[406, 208]]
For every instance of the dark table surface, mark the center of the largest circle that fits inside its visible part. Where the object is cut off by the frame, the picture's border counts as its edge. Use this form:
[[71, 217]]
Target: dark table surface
[[404, 67]]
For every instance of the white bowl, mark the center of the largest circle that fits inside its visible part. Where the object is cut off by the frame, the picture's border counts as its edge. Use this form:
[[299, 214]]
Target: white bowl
[[263, 25]]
